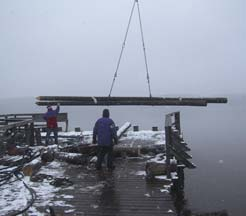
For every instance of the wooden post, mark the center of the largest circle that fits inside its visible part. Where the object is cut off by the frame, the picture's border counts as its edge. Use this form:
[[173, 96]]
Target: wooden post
[[168, 129], [27, 134], [6, 119], [38, 136], [77, 129], [66, 126], [135, 128], [177, 121], [154, 128], [32, 141], [178, 184]]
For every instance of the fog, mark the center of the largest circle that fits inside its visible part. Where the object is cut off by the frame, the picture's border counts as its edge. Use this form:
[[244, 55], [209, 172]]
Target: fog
[[65, 47]]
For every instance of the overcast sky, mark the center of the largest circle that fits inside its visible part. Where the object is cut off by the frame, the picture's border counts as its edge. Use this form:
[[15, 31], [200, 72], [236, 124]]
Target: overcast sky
[[71, 47]]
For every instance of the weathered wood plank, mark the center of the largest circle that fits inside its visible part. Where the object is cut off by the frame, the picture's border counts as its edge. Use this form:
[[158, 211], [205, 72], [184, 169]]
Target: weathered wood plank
[[73, 158], [125, 103], [146, 101], [101, 98], [16, 124]]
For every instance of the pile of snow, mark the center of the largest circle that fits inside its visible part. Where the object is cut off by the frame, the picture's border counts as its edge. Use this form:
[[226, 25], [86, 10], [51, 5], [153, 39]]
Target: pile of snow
[[146, 135]]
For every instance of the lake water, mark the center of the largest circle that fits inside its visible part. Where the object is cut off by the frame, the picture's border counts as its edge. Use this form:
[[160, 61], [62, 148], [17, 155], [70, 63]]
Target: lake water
[[216, 135]]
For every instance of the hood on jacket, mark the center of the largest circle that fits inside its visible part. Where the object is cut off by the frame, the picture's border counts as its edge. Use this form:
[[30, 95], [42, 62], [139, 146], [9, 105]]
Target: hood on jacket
[[105, 113]]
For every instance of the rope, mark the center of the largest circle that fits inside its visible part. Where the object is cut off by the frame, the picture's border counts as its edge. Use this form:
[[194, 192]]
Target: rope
[[144, 50], [123, 46], [122, 49], [31, 191], [6, 175]]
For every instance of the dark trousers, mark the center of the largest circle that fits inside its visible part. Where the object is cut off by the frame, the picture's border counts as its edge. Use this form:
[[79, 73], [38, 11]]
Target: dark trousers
[[101, 152], [48, 131]]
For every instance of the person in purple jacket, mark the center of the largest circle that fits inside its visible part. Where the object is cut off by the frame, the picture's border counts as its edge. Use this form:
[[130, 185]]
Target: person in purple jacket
[[104, 134]]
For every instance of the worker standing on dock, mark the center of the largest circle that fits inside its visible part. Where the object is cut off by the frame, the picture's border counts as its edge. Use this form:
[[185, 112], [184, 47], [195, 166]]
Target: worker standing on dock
[[104, 134], [51, 119]]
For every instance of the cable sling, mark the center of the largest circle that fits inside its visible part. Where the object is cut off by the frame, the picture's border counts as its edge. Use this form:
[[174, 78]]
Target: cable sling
[[123, 46], [144, 50], [122, 49]]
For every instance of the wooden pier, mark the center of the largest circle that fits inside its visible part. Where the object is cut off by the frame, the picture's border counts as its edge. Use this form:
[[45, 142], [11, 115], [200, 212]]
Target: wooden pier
[[121, 192], [127, 190]]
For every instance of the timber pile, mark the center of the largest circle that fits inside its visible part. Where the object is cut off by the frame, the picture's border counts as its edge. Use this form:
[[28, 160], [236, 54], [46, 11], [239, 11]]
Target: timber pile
[[119, 101]]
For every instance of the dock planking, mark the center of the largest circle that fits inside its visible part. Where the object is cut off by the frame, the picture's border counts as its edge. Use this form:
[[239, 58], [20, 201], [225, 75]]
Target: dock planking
[[121, 192]]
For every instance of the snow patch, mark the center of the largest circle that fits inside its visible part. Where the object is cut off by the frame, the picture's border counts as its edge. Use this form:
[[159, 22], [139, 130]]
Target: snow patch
[[141, 173]]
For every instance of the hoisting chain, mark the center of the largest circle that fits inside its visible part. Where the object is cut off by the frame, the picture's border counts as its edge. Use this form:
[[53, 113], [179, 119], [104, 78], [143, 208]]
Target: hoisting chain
[[123, 46]]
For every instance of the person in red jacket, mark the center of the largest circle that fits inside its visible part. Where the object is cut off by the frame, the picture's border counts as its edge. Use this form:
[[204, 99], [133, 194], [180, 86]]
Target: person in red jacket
[[51, 119]]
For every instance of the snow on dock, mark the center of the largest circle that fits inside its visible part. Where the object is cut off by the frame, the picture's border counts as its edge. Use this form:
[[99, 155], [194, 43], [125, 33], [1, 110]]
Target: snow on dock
[[124, 191]]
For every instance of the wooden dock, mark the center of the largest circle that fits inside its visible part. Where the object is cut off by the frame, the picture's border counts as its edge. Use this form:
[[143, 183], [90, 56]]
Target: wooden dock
[[129, 189], [122, 192]]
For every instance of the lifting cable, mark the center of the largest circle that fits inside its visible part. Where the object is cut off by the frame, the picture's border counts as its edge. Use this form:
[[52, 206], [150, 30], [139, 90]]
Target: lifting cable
[[123, 46]]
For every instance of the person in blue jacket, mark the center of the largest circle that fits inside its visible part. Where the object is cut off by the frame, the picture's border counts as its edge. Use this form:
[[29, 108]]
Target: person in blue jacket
[[104, 134], [51, 119]]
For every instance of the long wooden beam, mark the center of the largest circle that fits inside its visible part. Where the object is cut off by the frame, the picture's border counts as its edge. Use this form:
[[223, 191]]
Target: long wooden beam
[[148, 102], [119, 101], [86, 98]]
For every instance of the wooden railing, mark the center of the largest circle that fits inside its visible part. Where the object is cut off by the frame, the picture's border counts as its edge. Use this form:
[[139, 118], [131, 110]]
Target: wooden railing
[[175, 144], [36, 117], [11, 132], [24, 128]]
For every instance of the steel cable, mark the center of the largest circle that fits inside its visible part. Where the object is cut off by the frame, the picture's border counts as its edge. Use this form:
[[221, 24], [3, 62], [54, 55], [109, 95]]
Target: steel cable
[[122, 49], [123, 46]]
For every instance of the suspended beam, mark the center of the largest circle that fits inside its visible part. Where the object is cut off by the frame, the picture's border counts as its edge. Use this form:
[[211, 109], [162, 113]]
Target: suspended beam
[[120, 101]]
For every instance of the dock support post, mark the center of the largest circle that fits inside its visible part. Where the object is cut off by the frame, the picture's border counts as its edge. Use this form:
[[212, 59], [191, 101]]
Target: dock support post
[[66, 126], [29, 133], [168, 153], [168, 131], [32, 141], [135, 128], [177, 121], [6, 120], [38, 136]]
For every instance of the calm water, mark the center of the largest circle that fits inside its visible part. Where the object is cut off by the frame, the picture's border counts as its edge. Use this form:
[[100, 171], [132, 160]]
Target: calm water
[[216, 135]]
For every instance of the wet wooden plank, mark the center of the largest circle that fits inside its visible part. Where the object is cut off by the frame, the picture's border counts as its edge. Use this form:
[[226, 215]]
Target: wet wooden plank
[[120, 192]]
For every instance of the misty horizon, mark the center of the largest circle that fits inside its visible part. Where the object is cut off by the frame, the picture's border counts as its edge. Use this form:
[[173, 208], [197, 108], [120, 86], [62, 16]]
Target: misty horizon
[[64, 48]]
